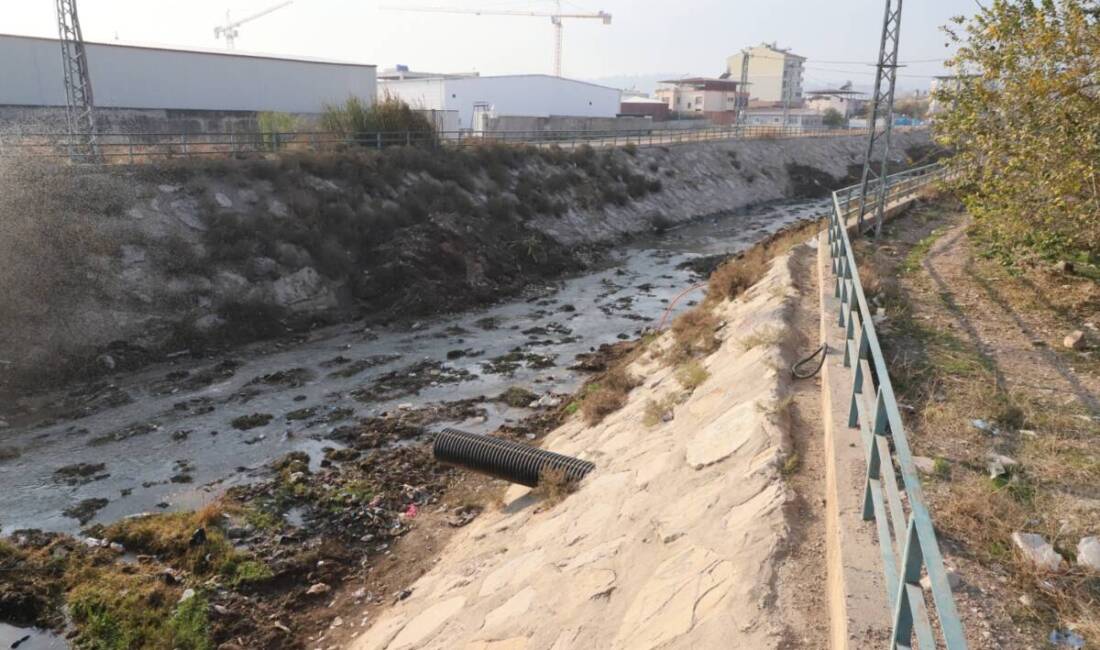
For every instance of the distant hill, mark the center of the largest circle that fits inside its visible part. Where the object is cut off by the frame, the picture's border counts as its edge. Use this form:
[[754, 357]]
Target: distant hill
[[643, 83]]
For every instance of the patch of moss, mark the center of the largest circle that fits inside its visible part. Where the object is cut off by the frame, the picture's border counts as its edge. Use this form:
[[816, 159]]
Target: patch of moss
[[243, 572], [246, 422], [175, 537], [517, 397], [117, 610], [190, 625]]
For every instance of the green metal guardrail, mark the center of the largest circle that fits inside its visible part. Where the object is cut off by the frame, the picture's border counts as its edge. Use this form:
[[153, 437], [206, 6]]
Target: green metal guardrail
[[131, 148], [906, 537]]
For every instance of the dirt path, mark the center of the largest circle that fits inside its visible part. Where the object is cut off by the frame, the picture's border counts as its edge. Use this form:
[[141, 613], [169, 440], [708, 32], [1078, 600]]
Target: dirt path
[[1021, 344], [675, 539], [801, 576]]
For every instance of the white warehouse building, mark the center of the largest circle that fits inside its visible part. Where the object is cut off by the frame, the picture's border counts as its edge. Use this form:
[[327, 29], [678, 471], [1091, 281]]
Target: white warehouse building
[[528, 95], [156, 78]]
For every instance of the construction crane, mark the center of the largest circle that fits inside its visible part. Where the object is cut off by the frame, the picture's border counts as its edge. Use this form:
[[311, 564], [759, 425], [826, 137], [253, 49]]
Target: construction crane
[[79, 103], [556, 18], [229, 29]]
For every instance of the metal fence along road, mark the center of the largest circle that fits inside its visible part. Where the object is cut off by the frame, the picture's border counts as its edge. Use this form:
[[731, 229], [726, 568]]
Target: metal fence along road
[[906, 536], [134, 148]]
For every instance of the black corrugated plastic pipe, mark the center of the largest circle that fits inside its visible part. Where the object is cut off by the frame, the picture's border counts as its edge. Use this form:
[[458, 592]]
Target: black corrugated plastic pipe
[[504, 459]]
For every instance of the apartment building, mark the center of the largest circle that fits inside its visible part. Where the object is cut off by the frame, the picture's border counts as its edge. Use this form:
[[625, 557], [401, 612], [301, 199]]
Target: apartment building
[[775, 74], [715, 99]]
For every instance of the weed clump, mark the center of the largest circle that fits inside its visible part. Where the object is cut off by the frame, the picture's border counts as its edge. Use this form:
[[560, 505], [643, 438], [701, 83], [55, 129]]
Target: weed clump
[[246, 422], [732, 278], [607, 395], [554, 485], [763, 336], [517, 397], [691, 374], [693, 334]]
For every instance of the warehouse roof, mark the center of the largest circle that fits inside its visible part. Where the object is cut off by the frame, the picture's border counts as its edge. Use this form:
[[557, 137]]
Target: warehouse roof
[[182, 50], [447, 77]]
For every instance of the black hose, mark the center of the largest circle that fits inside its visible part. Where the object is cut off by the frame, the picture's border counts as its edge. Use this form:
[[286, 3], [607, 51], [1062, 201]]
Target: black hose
[[796, 368], [504, 459]]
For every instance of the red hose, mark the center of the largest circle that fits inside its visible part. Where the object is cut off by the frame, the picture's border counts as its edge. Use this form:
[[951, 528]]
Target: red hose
[[672, 304]]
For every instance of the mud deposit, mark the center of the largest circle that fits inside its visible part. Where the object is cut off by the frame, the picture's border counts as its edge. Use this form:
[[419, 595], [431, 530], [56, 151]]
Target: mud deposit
[[318, 439]]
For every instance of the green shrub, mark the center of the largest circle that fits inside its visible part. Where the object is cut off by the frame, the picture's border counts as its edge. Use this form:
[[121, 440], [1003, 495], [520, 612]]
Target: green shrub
[[1024, 126], [360, 121]]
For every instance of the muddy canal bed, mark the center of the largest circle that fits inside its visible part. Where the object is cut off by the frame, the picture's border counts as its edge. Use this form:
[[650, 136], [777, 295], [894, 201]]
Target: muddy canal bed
[[176, 435]]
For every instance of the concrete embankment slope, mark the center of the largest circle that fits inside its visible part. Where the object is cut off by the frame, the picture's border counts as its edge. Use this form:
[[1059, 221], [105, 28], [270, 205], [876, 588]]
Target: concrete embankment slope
[[112, 268], [673, 541]]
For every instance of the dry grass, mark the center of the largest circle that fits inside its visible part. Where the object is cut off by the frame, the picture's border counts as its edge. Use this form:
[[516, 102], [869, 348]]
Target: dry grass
[[777, 408], [554, 485], [693, 334], [691, 374], [607, 394], [762, 336], [736, 275], [658, 411], [169, 536], [600, 403]]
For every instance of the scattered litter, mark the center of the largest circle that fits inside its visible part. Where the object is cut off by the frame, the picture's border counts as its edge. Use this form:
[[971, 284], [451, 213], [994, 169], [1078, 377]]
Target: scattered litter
[[1067, 639], [1036, 550], [412, 511], [999, 465], [1088, 553], [985, 427]]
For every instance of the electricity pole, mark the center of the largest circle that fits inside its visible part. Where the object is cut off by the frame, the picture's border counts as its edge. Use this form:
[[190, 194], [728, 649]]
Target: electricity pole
[[743, 88], [79, 104], [882, 105]]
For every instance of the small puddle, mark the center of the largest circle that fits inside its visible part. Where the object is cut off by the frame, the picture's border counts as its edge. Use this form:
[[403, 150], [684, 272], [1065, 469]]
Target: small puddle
[[29, 638]]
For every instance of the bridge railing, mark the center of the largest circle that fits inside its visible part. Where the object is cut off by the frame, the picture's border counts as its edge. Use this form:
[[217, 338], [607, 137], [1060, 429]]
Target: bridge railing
[[906, 537], [135, 148]]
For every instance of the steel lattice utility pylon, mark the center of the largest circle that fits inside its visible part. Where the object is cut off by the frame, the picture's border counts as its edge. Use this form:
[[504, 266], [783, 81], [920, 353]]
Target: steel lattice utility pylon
[[79, 104], [743, 89], [882, 106]]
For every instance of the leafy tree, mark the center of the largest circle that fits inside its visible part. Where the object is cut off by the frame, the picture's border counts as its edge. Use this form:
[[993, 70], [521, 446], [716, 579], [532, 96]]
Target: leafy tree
[[833, 119], [1023, 118], [363, 122]]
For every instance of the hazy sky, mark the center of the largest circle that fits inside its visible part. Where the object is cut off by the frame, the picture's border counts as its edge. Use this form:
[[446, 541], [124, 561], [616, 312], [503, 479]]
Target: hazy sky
[[645, 37]]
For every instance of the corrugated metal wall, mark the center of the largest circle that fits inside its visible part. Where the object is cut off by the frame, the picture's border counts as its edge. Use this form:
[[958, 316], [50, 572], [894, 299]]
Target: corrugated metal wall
[[140, 77]]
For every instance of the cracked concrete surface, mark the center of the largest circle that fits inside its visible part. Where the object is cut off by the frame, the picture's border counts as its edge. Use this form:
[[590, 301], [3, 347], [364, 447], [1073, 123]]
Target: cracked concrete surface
[[673, 542]]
